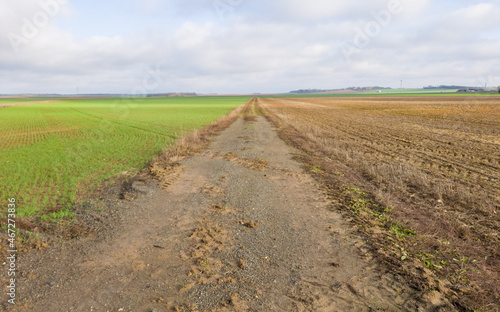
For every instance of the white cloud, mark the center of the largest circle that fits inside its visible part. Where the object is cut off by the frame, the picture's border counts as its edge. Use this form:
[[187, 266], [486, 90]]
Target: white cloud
[[260, 47], [475, 12], [414, 9]]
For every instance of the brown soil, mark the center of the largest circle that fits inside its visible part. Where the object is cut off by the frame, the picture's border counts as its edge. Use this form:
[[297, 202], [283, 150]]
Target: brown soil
[[240, 227], [419, 176]]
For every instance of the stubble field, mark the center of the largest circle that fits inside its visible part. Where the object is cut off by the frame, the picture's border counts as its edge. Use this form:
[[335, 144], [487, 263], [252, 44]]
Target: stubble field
[[419, 176]]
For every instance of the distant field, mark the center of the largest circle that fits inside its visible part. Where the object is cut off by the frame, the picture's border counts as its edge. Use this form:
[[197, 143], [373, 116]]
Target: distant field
[[413, 91], [51, 151], [387, 93], [21, 100]]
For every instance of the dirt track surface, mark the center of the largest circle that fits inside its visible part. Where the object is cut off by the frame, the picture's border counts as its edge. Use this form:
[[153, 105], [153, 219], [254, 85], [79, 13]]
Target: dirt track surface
[[241, 228]]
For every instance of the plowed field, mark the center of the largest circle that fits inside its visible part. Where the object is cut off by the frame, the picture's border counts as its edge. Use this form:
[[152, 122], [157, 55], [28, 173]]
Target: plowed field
[[427, 169]]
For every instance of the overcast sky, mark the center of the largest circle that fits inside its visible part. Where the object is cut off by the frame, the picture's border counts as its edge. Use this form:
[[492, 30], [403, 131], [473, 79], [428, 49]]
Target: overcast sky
[[243, 46]]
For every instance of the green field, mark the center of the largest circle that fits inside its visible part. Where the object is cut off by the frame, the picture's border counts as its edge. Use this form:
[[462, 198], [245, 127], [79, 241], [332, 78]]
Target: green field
[[52, 151]]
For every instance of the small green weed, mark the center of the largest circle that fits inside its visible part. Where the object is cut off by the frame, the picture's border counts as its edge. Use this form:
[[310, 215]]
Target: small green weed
[[428, 260], [400, 231], [388, 209], [316, 169], [356, 191], [358, 204]]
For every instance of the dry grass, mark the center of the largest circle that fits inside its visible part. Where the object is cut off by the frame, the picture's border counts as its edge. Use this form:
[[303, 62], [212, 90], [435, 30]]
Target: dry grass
[[249, 113], [429, 165]]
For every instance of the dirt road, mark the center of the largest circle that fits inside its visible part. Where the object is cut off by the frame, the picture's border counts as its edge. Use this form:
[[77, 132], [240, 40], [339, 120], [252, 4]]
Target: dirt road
[[241, 228]]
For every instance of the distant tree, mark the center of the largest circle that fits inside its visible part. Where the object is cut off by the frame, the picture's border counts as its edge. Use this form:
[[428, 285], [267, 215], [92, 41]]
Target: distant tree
[[498, 89]]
